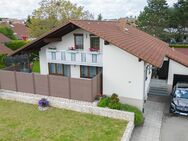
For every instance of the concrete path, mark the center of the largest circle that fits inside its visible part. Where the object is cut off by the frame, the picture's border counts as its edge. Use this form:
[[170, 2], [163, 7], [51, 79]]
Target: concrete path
[[150, 131]]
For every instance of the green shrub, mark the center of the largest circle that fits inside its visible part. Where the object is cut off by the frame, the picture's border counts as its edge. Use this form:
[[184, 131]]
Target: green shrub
[[36, 67], [16, 44], [7, 31], [114, 102], [179, 45], [104, 102], [139, 119], [2, 62]]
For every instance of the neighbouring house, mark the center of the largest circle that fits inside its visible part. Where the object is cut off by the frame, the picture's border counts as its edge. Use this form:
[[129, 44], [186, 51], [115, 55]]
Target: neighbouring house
[[125, 56], [3, 38], [20, 31], [4, 49]]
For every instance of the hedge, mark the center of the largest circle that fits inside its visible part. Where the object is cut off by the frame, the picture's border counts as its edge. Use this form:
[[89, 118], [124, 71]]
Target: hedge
[[16, 44], [7, 32], [179, 45], [36, 67]]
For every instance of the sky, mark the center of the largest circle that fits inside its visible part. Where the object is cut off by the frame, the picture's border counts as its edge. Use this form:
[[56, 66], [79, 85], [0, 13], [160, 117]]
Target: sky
[[110, 9]]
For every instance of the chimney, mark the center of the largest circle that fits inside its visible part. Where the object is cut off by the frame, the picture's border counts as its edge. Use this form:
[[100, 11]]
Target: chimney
[[122, 23]]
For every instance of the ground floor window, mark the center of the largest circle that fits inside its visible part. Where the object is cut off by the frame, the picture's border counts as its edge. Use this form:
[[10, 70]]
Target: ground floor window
[[89, 71], [59, 69]]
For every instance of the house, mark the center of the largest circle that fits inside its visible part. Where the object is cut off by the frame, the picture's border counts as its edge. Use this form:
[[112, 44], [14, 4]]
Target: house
[[3, 38], [124, 55], [20, 31], [4, 49]]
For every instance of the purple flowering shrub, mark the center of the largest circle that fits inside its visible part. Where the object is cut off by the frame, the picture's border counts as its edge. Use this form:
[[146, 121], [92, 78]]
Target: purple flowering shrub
[[43, 102]]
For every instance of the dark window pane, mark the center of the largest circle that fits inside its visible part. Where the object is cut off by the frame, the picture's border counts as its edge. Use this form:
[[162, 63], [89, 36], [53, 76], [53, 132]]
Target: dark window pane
[[79, 41], [84, 71], [66, 70], [59, 69], [52, 69], [93, 71], [95, 42]]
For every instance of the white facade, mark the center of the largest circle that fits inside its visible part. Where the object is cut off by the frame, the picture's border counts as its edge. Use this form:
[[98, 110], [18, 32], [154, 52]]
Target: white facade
[[123, 74], [175, 68]]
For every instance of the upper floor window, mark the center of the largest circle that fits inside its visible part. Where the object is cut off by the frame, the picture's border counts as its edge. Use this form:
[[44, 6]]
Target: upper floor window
[[95, 42], [79, 41]]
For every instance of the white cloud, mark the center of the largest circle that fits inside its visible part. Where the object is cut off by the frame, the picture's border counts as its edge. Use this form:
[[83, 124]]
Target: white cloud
[[108, 8]]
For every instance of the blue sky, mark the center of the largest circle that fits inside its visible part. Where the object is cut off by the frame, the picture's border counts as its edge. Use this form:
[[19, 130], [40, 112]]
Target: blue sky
[[109, 8]]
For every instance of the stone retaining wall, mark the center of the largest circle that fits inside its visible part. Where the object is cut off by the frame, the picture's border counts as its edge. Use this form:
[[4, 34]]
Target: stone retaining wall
[[75, 105]]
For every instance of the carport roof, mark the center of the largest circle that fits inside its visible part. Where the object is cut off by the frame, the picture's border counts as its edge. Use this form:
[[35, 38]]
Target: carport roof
[[130, 39]]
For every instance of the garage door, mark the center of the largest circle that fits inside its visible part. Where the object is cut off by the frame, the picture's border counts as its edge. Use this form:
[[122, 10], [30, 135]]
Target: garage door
[[180, 78]]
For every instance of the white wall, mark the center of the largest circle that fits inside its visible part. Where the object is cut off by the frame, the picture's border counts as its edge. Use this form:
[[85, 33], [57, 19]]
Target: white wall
[[175, 68], [122, 73], [43, 62]]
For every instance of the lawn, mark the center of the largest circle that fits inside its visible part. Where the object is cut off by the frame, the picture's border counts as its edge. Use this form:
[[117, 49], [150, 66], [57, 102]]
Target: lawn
[[24, 122]]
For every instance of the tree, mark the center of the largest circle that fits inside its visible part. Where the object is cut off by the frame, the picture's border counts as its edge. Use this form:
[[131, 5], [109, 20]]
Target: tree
[[153, 18], [99, 18], [52, 13], [7, 31]]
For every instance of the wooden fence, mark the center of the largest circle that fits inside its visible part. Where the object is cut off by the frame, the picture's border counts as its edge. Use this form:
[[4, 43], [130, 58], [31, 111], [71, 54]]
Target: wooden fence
[[51, 85]]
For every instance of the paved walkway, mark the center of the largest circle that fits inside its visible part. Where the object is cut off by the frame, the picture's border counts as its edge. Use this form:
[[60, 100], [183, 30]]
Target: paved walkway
[[150, 131]]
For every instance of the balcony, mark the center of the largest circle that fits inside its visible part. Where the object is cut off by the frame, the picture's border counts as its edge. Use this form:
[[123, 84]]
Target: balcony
[[75, 57]]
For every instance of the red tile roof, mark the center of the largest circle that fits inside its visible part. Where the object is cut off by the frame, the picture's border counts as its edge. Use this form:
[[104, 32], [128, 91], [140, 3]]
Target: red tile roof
[[182, 50], [20, 30], [3, 38], [4, 49], [128, 38]]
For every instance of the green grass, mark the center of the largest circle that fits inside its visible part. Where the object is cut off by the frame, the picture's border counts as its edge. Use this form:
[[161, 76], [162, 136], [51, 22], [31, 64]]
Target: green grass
[[36, 67], [23, 122], [139, 118]]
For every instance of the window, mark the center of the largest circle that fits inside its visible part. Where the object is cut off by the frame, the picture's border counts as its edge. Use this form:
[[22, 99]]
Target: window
[[95, 42], [52, 68], [53, 55], [66, 70], [94, 58], [89, 71], [79, 41], [59, 69]]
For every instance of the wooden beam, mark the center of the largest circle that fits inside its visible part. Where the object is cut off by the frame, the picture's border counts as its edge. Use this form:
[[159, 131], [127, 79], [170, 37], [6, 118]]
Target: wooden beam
[[50, 40]]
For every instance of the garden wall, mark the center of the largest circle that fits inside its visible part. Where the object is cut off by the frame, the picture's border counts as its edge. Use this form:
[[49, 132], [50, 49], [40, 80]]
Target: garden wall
[[51, 85]]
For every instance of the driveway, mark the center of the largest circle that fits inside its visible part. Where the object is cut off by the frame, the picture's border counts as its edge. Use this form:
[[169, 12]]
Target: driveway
[[159, 124], [174, 128]]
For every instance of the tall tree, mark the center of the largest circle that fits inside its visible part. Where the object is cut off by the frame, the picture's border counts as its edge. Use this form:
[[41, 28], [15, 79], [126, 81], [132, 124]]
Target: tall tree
[[99, 18], [153, 18], [52, 13]]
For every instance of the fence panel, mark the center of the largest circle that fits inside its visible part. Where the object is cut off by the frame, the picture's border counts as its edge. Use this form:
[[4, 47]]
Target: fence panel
[[25, 82], [81, 89], [41, 84], [59, 86], [7, 79]]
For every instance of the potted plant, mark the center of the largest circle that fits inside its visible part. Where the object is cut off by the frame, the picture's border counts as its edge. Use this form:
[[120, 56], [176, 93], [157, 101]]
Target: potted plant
[[43, 104], [94, 49]]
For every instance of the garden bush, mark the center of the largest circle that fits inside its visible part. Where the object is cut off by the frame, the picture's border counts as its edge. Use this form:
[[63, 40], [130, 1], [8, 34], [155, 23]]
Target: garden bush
[[16, 44], [7, 32], [36, 66], [104, 102], [113, 103]]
